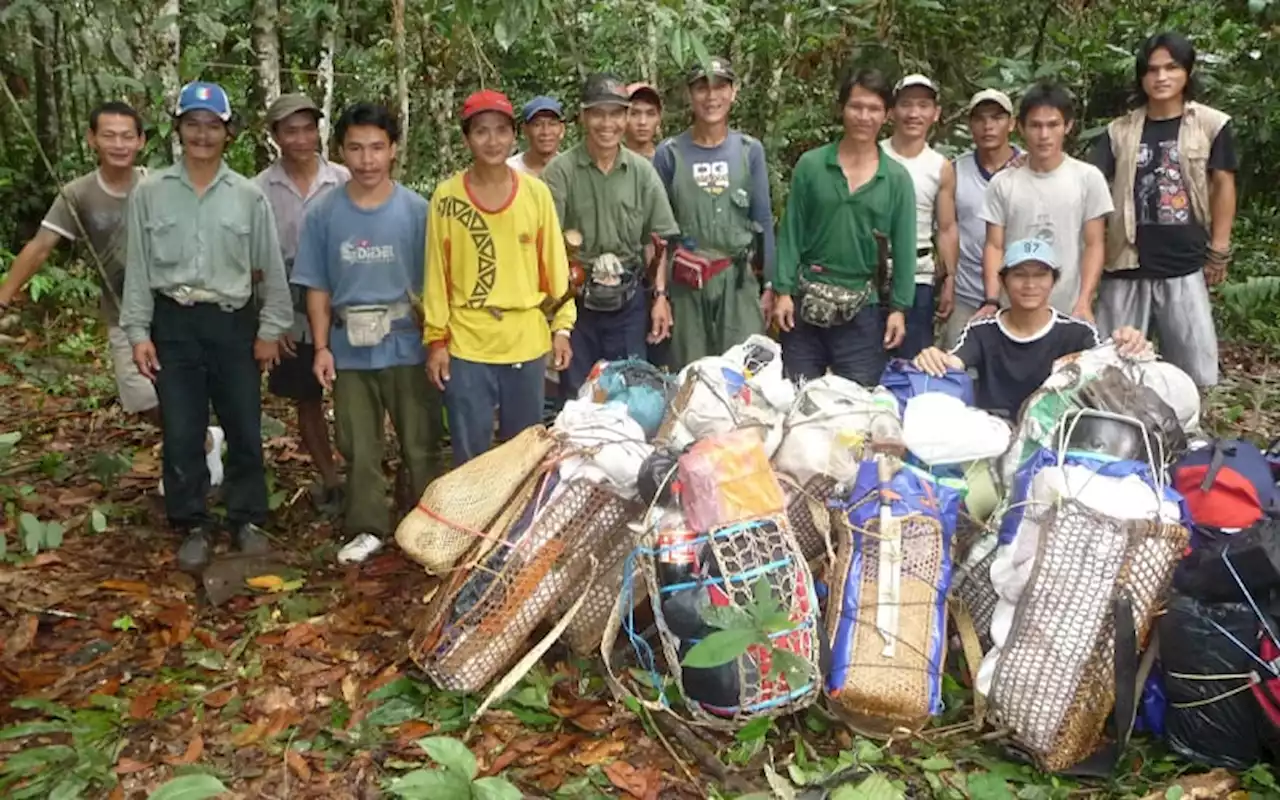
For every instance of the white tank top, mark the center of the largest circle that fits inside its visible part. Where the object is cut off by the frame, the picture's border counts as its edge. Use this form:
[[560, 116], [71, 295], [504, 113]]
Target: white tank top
[[926, 175]]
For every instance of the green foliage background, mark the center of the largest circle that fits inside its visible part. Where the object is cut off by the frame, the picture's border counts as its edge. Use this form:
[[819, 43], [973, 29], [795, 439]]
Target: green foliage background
[[790, 55]]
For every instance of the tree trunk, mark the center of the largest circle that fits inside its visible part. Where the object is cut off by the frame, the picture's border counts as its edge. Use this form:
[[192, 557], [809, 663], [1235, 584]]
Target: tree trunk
[[170, 58], [44, 27], [266, 43], [402, 80], [328, 43]]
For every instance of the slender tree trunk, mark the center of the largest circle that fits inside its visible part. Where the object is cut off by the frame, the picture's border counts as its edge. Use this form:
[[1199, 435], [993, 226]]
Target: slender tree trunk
[[328, 43], [170, 58], [45, 59], [402, 80], [266, 43], [651, 48]]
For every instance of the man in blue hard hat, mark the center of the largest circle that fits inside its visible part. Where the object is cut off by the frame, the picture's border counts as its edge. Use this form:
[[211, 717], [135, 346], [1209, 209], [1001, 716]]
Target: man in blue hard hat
[[197, 233], [542, 119]]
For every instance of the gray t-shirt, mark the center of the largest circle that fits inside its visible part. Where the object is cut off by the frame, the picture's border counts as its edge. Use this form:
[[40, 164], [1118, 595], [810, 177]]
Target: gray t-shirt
[[101, 213], [367, 257], [1053, 206]]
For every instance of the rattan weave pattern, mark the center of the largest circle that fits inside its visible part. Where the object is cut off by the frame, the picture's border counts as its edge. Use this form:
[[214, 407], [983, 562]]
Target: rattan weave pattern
[[469, 497], [1054, 686], [882, 694], [745, 552], [805, 502], [463, 646], [613, 541]]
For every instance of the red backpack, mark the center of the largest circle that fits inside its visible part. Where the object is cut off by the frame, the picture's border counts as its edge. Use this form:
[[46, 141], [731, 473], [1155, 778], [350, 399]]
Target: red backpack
[[1227, 484]]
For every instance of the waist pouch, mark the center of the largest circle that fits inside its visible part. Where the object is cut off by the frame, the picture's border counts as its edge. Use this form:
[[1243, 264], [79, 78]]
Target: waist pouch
[[826, 305], [693, 269], [610, 291], [367, 326]]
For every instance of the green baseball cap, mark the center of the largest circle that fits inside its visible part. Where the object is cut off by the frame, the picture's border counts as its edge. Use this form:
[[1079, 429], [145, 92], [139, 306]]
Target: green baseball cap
[[288, 104]]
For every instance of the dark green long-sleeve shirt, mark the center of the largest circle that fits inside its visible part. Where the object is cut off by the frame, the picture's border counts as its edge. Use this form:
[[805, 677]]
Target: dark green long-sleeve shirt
[[826, 225]]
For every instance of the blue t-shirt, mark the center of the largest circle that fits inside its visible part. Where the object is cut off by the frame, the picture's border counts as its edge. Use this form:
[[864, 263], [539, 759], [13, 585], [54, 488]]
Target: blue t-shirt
[[364, 257]]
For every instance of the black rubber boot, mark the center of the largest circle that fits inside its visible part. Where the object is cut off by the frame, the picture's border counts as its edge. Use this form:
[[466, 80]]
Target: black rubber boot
[[251, 540], [195, 550]]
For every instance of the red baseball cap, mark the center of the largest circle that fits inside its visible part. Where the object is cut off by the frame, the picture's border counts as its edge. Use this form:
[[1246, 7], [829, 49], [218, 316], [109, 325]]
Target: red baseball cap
[[640, 87], [487, 100]]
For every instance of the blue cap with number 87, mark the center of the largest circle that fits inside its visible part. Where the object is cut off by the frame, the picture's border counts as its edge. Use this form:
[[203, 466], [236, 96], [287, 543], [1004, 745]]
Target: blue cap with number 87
[[1027, 251]]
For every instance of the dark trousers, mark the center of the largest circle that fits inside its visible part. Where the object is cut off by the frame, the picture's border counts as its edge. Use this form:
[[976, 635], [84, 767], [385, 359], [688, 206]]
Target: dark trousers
[[919, 324], [475, 391], [854, 350], [609, 335], [206, 355]]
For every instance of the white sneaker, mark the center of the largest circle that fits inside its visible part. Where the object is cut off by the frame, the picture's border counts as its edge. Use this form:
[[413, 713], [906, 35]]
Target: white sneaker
[[213, 441], [359, 549]]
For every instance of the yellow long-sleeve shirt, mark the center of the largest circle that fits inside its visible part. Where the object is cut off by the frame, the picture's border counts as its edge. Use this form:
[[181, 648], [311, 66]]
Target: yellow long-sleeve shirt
[[489, 271]]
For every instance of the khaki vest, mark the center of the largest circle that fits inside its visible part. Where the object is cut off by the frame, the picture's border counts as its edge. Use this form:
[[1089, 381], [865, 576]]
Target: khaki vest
[[1200, 126]]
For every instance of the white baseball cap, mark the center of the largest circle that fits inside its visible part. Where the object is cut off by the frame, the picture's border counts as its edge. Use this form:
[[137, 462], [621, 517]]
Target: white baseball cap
[[991, 96], [915, 79]]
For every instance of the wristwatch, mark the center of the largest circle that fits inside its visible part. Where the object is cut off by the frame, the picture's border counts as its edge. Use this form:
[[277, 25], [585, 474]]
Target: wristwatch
[[660, 292], [994, 302]]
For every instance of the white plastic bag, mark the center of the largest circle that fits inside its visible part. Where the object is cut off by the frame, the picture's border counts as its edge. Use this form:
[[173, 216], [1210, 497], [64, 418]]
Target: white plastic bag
[[940, 430], [824, 430], [609, 446]]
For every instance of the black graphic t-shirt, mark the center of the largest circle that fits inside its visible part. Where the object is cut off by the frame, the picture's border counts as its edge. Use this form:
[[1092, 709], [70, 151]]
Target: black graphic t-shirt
[[1171, 242]]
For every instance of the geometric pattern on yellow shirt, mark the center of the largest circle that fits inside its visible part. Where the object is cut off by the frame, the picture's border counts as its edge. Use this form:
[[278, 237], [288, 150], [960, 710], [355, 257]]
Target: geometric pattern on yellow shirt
[[487, 271]]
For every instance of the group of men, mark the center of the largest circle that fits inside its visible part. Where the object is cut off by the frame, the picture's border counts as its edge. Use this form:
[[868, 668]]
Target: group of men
[[337, 277]]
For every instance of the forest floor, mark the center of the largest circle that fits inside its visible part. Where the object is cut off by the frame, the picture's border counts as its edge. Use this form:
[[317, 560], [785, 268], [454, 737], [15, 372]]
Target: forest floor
[[118, 675]]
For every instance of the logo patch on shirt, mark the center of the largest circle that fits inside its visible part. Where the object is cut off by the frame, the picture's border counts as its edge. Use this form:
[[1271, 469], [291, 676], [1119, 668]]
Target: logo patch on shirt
[[363, 251], [526, 238], [711, 176]]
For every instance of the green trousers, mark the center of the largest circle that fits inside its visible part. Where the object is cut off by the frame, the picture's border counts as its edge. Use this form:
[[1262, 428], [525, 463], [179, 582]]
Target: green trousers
[[712, 319], [362, 399]]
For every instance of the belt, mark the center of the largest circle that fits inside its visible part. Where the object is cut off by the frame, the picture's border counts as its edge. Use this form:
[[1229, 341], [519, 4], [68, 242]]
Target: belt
[[188, 296]]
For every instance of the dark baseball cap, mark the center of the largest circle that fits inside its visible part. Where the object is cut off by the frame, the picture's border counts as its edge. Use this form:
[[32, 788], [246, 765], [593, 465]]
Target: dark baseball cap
[[716, 67], [602, 89], [289, 104], [641, 90]]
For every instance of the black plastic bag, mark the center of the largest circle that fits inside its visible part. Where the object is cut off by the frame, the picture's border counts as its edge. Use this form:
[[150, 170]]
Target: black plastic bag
[[1228, 731], [657, 474], [1254, 554]]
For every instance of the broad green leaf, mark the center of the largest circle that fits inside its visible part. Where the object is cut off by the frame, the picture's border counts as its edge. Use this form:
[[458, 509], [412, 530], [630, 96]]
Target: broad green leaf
[[70, 788], [395, 711], [1174, 793], [32, 531], [796, 669], [936, 763], [98, 521], [495, 789], [24, 729], [726, 618], [985, 786], [30, 758], [46, 707], [502, 34], [721, 647], [451, 754], [53, 534], [700, 51], [757, 728], [398, 688], [432, 784], [189, 787], [867, 752], [876, 787]]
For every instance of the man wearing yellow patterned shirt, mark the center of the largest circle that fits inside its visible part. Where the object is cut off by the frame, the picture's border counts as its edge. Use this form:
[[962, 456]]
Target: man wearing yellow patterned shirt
[[487, 328]]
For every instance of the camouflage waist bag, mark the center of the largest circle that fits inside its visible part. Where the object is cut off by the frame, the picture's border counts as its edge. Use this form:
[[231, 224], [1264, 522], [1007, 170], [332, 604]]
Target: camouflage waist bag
[[826, 305]]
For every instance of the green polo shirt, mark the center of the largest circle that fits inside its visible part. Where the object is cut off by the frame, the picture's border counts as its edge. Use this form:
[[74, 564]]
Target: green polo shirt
[[211, 242], [828, 226], [615, 213]]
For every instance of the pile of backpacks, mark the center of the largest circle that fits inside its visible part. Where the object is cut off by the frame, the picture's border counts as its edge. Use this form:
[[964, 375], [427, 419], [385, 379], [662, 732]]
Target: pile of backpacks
[[860, 532], [1216, 694]]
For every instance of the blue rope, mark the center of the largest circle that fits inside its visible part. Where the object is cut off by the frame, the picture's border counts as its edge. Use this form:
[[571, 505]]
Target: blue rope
[[644, 653]]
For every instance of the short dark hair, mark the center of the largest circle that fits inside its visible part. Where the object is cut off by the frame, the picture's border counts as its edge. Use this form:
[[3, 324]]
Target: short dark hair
[[371, 114], [872, 80], [1180, 50], [116, 108], [1047, 95]]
